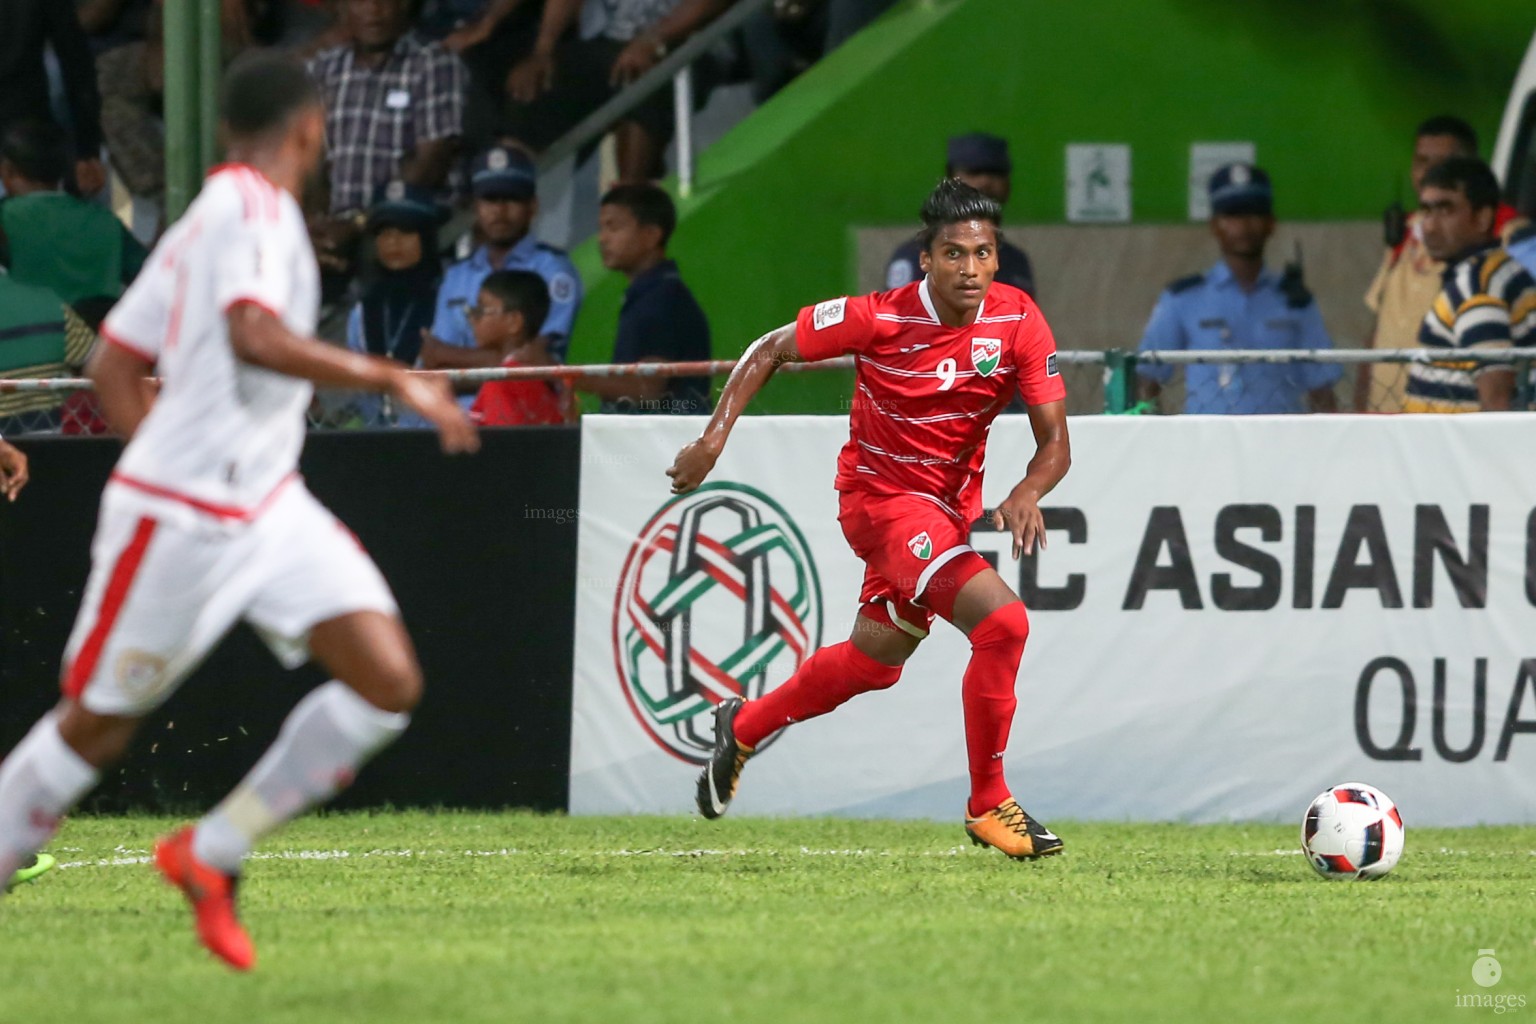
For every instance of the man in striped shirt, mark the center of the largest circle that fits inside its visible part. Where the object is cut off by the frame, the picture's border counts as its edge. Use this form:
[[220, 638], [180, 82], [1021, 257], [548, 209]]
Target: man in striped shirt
[[1488, 300]]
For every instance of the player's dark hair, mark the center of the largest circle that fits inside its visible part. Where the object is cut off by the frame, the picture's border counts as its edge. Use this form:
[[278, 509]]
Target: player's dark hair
[[39, 150], [1465, 174], [1452, 126], [650, 205], [521, 291], [262, 92], [954, 202]]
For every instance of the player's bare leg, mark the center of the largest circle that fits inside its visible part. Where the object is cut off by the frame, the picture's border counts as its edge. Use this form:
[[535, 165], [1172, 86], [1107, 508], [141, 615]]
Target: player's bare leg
[[988, 611], [327, 737], [870, 659]]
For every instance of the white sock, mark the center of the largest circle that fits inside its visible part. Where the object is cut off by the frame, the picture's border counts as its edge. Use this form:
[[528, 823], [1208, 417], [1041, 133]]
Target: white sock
[[40, 780], [326, 738]]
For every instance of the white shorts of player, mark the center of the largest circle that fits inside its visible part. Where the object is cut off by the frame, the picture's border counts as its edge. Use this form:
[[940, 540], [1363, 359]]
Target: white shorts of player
[[169, 581]]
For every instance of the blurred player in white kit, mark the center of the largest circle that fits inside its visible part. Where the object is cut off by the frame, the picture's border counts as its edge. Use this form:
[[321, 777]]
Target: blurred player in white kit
[[205, 521]]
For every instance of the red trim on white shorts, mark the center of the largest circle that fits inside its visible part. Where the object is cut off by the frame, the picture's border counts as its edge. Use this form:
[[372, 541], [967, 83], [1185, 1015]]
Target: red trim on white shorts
[[80, 670], [231, 512]]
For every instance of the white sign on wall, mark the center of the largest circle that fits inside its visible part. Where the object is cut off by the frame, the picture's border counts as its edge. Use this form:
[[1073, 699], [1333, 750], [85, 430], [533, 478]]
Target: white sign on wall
[[1232, 614], [1098, 183], [1205, 159]]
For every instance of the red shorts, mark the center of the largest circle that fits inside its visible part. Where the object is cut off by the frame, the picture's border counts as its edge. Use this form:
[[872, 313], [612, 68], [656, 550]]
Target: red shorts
[[903, 540]]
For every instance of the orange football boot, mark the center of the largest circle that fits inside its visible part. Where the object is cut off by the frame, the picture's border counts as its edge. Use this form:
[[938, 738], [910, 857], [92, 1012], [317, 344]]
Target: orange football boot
[[212, 895]]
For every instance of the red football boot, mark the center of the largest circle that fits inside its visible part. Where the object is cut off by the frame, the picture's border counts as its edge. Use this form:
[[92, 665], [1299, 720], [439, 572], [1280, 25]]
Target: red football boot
[[212, 895]]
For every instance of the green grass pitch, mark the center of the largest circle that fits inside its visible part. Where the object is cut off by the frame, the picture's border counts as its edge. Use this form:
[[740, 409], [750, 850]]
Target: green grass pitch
[[454, 917]]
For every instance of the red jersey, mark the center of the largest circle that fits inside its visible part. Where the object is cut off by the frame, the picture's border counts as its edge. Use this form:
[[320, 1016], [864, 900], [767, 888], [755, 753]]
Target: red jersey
[[514, 403], [925, 395]]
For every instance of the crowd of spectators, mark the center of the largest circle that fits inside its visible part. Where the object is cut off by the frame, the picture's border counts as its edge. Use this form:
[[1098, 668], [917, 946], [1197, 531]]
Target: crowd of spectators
[[1457, 274], [437, 106], [432, 106]]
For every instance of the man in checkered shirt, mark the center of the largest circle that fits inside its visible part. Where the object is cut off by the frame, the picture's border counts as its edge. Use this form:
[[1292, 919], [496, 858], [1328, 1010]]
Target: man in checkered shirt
[[394, 108]]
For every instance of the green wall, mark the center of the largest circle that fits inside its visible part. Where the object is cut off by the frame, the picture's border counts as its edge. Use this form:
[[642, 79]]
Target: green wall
[[1329, 90]]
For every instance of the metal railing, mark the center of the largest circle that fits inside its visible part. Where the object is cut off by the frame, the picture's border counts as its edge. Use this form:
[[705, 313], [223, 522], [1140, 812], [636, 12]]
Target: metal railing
[[1098, 382]]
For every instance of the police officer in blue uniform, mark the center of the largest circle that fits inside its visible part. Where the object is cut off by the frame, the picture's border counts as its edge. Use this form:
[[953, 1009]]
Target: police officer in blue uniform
[[503, 182], [981, 161], [1522, 246], [1241, 304]]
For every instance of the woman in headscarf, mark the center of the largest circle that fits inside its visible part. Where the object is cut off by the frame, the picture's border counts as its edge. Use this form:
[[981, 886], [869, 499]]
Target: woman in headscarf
[[399, 300]]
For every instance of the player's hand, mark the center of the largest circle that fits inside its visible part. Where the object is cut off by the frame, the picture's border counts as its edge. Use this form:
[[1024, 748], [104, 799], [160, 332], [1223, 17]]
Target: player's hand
[[1020, 515], [530, 77], [433, 398], [691, 466], [13, 471]]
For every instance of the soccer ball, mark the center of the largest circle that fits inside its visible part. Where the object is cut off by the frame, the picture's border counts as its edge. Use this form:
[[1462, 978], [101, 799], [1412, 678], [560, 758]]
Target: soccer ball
[[1352, 831]]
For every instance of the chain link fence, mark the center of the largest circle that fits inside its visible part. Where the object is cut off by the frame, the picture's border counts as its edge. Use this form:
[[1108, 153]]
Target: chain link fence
[[1098, 382]]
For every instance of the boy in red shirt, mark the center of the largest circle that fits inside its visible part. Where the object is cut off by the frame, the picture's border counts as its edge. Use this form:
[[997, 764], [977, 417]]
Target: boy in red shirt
[[506, 317]]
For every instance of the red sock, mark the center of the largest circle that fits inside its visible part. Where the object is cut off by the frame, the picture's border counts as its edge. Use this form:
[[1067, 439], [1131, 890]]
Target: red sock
[[826, 679], [997, 644]]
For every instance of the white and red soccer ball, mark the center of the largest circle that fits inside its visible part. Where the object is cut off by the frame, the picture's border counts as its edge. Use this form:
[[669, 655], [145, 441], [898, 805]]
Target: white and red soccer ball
[[1352, 831]]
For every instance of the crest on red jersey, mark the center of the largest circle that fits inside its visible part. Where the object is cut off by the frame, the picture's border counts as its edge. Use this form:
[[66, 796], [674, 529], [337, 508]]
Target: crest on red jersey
[[985, 354], [922, 546]]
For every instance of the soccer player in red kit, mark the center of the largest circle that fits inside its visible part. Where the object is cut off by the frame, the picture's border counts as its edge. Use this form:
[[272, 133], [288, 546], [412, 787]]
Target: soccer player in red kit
[[937, 360]]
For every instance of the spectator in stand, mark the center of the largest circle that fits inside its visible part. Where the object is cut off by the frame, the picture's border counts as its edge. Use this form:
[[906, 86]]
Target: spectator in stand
[[490, 36], [981, 161], [790, 35], [660, 321], [52, 239], [109, 24], [1522, 246], [1486, 299], [1522, 242], [1409, 278], [512, 304], [565, 79], [397, 304], [503, 181], [1240, 304], [27, 29], [130, 74], [39, 337], [394, 108], [129, 40]]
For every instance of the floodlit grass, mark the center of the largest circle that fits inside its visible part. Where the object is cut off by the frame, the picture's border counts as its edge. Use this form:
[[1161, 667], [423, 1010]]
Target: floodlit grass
[[471, 917]]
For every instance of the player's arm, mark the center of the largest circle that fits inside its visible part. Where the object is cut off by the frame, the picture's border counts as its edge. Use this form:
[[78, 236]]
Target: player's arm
[[13, 471], [261, 339], [757, 364], [120, 377], [1020, 511]]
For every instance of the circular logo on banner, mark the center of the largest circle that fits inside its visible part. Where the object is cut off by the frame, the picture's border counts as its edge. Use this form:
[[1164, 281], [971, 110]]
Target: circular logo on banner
[[719, 597]]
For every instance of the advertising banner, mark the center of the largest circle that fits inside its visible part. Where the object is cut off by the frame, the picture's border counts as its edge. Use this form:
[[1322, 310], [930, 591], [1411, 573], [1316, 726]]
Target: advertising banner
[[1231, 615]]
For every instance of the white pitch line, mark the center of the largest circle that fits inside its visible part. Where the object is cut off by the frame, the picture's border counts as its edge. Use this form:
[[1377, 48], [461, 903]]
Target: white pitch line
[[127, 857], [131, 857]]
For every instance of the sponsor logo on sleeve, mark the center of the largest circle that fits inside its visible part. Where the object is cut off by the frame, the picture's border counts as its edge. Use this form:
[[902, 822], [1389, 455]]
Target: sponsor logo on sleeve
[[829, 313], [1051, 369]]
